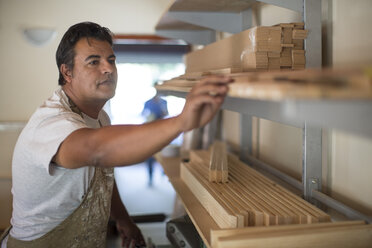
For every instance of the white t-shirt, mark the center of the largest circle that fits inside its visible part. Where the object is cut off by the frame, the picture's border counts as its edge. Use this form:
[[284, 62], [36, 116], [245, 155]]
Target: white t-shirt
[[45, 194]]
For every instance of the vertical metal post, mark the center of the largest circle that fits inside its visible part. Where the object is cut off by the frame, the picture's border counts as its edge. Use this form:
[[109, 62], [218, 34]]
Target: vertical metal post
[[311, 161], [312, 17], [245, 136]]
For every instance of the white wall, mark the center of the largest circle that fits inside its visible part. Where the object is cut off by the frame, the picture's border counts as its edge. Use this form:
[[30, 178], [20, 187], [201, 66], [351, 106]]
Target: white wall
[[351, 157], [29, 74]]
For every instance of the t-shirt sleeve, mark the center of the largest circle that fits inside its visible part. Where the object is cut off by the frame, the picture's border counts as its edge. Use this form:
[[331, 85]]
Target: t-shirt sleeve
[[50, 133]]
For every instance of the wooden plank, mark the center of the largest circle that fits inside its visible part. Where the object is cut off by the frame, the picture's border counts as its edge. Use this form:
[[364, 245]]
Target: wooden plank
[[298, 44], [254, 60], [200, 172], [230, 196], [218, 167], [274, 213], [171, 165], [287, 45], [274, 63], [271, 206], [200, 217], [227, 53], [298, 57], [223, 71], [212, 202], [256, 216], [298, 25], [293, 216], [217, 234], [291, 199], [287, 34], [330, 237], [299, 34], [202, 221]]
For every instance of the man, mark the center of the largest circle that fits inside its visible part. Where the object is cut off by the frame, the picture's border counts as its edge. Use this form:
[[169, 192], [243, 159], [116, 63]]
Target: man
[[154, 109], [63, 185]]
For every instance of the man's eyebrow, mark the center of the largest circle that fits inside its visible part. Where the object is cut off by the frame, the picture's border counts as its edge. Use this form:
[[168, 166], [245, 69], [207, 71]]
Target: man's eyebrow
[[92, 57], [97, 57]]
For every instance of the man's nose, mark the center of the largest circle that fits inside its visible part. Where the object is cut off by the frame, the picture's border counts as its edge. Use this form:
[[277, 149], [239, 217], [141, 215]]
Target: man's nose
[[108, 67]]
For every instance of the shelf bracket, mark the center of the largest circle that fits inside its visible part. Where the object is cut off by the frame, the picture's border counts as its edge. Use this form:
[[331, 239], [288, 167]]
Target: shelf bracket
[[311, 161]]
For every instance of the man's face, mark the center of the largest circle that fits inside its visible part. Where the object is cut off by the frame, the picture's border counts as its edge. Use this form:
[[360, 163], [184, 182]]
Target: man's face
[[94, 75]]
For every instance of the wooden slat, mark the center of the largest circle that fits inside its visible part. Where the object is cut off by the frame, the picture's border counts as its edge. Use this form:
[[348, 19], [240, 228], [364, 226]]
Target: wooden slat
[[211, 200], [222, 195], [225, 191], [299, 34], [296, 203], [218, 169], [201, 219], [251, 231], [331, 237]]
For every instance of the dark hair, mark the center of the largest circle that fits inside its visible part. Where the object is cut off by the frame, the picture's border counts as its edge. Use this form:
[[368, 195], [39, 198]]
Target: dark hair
[[65, 52]]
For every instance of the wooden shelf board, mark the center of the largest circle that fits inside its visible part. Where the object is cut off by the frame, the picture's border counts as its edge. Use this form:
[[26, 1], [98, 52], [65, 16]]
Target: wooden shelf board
[[166, 22], [288, 85], [203, 222], [233, 6]]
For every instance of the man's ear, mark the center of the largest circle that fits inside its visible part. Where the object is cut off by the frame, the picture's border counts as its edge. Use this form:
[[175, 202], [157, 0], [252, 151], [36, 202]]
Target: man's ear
[[66, 72]]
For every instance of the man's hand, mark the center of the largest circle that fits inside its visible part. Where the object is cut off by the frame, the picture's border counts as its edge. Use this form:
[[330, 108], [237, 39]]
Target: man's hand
[[130, 234], [203, 101]]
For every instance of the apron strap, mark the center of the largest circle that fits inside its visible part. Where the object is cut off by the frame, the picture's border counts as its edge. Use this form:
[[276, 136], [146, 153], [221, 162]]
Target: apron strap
[[5, 233]]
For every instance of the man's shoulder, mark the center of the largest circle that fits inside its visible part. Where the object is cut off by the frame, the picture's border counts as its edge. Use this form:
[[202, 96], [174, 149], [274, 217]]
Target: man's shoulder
[[55, 108]]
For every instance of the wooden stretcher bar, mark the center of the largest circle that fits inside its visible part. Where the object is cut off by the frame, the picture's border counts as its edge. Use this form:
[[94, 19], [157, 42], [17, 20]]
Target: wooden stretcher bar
[[249, 197], [267, 236]]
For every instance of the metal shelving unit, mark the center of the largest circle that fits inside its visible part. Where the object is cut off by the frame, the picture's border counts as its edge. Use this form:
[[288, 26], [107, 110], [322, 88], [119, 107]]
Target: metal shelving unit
[[310, 115]]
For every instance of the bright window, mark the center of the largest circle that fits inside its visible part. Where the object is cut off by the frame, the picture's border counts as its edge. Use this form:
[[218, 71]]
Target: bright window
[[135, 87]]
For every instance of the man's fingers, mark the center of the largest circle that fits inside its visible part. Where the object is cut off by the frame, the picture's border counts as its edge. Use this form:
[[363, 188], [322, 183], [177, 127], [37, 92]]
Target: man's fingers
[[216, 80], [212, 86], [198, 100], [210, 89]]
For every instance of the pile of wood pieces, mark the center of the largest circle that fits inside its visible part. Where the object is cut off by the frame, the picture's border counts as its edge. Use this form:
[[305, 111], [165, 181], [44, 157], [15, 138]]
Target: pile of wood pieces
[[248, 199], [255, 49], [350, 234]]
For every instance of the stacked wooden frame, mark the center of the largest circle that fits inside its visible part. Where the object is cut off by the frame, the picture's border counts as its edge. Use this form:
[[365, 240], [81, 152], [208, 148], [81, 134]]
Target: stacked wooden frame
[[248, 199]]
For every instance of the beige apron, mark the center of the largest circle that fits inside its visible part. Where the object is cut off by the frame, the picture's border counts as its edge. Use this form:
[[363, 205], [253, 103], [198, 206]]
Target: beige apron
[[87, 225]]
